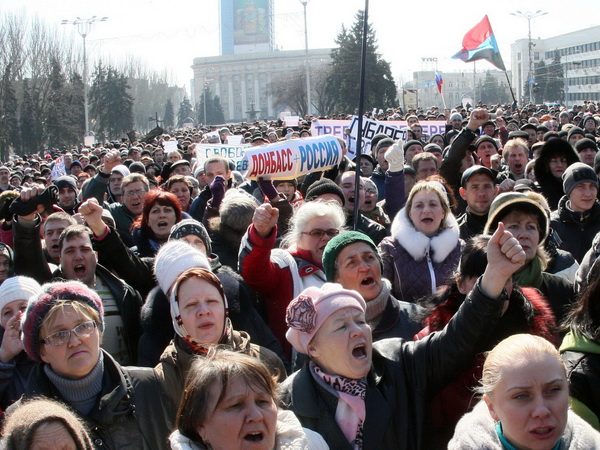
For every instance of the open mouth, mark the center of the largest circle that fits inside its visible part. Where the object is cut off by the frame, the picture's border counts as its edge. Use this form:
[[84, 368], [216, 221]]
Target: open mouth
[[360, 351], [256, 436], [542, 432], [163, 224], [368, 281], [79, 269], [427, 220]]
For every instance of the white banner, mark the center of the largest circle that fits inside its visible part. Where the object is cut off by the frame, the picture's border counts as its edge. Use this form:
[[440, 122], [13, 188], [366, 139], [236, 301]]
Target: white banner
[[293, 158], [234, 153], [58, 169]]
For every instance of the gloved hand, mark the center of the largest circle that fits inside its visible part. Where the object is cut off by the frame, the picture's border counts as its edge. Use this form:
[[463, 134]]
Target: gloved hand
[[217, 189], [267, 188], [395, 156]]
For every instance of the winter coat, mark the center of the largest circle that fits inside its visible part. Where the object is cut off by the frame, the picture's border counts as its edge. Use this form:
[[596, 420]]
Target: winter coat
[[131, 408], [589, 268], [415, 263], [13, 379], [582, 359], [367, 226], [279, 275], [175, 364], [477, 431], [378, 177], [398, 320], [402, 376], [575, 229], [560, 262], [527, 312], [289, 435], [158, 329], [471, 225], [550, 186]]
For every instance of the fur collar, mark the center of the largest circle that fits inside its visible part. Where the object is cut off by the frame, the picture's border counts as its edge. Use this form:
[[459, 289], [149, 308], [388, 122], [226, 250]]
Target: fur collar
[[417, 244]]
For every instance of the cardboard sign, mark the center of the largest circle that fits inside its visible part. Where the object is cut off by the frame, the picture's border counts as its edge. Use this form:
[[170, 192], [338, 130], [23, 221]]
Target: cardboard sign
[[170, 145], [292, 121], [234, 153], [293, 158], [58, 169]]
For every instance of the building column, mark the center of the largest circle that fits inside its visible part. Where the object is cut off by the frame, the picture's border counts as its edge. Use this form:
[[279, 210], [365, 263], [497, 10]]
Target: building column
[[230, 102]]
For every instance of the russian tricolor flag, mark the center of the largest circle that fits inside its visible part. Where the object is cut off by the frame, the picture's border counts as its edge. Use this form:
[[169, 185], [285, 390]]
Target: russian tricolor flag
[[480, 43], [439, 81]]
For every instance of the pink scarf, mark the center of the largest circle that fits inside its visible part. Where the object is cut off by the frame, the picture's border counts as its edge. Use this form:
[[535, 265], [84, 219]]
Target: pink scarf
[[351, 411]]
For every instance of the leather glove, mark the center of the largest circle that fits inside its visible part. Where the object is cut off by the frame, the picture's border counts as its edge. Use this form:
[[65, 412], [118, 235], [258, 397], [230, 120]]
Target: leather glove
[[217, 189]]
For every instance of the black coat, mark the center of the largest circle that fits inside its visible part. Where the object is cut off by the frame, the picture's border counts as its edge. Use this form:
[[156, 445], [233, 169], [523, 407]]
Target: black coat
[[403, 375], [576, 230]]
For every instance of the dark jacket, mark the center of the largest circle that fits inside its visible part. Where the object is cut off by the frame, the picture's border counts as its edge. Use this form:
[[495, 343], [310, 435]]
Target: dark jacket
[[575, 229], [451, 164], [403, 374], [582, 359], [589, 267], [399, 320], [378, 177], [13, 379], [367, 226], [130, 412], [471, 224]]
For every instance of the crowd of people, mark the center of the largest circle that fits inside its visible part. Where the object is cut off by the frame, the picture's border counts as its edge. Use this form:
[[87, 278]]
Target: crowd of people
[[152, 299]]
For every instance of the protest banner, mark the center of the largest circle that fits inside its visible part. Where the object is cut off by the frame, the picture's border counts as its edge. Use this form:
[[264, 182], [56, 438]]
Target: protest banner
[[58, 169], [293, 158], [170, 145], [325, 126], [234, 153], [292, 121], [395, 129]]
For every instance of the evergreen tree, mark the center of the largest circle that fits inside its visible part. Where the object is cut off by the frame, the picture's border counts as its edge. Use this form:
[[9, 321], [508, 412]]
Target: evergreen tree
[[9, 125], [169, 116], [57, 112], [555, 84], [491, 91], [214, 110], [185, 111], [217, 115], [541, 82], [344, 77], [31, 126]]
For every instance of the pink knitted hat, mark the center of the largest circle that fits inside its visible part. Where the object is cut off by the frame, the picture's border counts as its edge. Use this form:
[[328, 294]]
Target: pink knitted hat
[[307, 312]]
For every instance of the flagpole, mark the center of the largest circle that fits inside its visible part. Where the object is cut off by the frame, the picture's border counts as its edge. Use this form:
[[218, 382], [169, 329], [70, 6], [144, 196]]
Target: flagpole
[[361, 108], [510, 87], [474, 86]]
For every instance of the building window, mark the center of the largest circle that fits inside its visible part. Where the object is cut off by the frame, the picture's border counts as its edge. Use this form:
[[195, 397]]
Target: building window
[[536, 56]]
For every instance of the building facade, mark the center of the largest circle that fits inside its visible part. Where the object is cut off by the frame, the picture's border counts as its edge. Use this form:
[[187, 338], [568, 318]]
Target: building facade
[[242, 80], [580, 59]]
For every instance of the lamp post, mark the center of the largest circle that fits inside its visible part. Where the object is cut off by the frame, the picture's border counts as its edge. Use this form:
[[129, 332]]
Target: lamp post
[[530, 16], [306, 64], [84, 26]]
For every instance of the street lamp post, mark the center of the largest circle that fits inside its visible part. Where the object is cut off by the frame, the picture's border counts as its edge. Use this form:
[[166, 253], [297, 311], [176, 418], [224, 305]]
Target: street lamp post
[[306, 63], [530, 16], [84, 26]]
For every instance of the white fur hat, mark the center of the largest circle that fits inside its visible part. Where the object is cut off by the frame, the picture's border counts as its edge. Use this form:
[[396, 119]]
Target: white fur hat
[[18, 288], [174, 258]]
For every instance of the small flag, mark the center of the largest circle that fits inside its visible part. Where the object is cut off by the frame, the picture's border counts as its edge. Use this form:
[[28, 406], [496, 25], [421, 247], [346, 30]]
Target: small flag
[[480, 43], [439, 81]]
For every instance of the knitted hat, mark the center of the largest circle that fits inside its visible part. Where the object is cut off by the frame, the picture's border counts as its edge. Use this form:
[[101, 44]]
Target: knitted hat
[[137, 167], [578, 173], [39, 305], [407, 144], [483, 139], [123, 170], [508, 202], [575, 130], [66, 181], [433, 148], [174, 258], [75, 163], [323, 186], [306, 313], [337, 244], [456, 116], [18, 288], [384, 143], [584, 144], [191, 226]]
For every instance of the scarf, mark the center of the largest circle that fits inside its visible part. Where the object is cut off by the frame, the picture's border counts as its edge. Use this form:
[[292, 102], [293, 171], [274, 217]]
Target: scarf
[[506, 445], [376, 306], [530, 275], [350, 413]]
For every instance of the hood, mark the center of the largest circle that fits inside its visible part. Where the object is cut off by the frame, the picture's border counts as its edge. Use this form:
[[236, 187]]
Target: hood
[[551, 148], [575, 341], [417, 244]]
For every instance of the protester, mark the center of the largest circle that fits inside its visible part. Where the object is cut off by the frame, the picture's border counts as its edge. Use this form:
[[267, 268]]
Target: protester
[[525, 402]]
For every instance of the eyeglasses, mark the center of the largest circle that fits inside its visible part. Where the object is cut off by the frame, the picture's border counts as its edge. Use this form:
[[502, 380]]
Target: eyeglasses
[[62, 337], [318, 233], [371, 191], [138, 192]]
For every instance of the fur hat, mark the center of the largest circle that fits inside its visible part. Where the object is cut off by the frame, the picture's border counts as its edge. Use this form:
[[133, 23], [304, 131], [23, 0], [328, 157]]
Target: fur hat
[[191, 226], [39, 305], [174, 258], [508, 202], [337, 244], [306, 313], [18, 288]]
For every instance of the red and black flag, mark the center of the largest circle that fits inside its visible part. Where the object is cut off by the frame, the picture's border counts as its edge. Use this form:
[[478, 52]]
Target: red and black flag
[[480, 43]]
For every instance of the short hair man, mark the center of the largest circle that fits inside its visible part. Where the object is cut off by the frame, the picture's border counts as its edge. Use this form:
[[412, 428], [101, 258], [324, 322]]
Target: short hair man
[[478, 189], [515, 153], [425, 164], [67, 193]]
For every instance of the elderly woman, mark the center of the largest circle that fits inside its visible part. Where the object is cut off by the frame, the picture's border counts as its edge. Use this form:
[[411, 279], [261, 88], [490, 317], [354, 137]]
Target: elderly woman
[[352, 260], [199, 314], [281, 274], [525, 402], [44, 423], [357, 394], [229, 403], [424, 248], [528, 222], [161, 211], [62, 330]]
